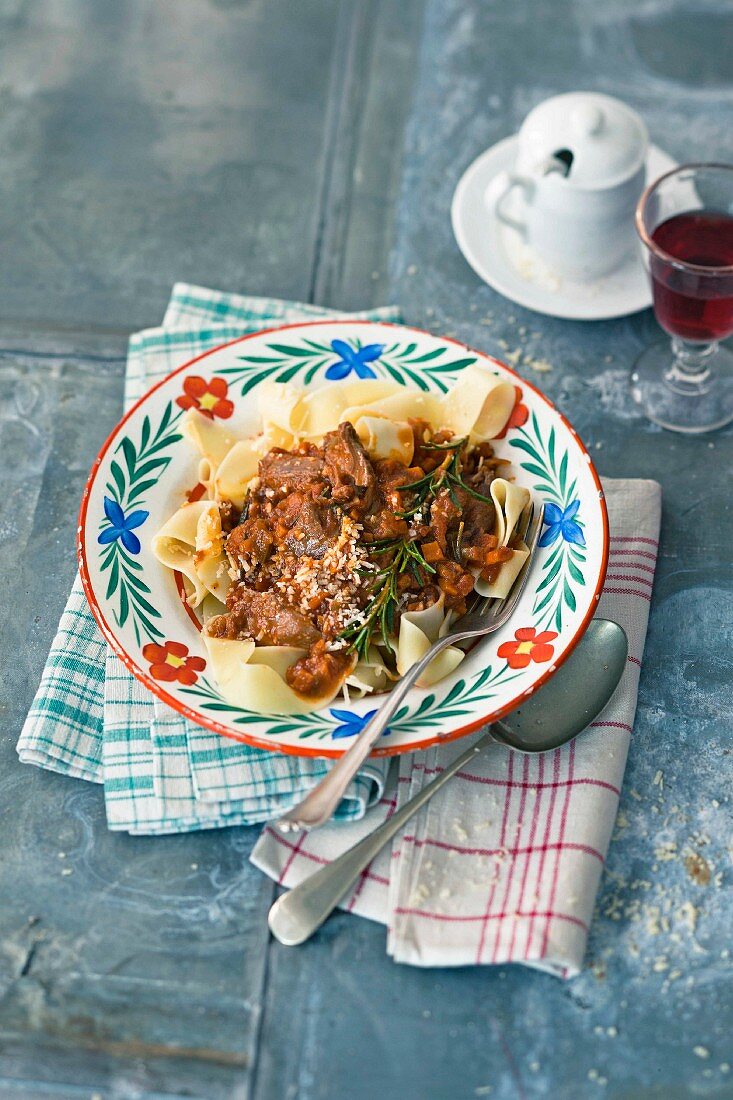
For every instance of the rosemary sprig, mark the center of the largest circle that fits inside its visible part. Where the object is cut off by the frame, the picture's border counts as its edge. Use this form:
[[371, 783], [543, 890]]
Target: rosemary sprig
[[448, 475], [378, 616]]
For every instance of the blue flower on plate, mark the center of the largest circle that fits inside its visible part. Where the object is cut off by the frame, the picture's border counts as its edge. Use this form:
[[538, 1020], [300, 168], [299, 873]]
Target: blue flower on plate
[[122, 526], [562, 523], [356, 359], [351, 724]]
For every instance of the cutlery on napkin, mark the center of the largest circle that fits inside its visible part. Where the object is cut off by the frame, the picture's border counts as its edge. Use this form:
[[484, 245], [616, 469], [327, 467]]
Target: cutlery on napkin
[[504, 864]]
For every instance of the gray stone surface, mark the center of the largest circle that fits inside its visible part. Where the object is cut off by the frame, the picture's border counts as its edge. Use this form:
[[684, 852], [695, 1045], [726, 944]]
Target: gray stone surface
[[311, 150]]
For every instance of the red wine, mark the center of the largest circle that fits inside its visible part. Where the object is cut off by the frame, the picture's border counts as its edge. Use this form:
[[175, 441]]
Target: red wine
[[694, 306]]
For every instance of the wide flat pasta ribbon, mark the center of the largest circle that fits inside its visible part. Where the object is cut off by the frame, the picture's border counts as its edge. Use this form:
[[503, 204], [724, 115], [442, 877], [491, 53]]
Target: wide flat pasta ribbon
[[175, 545], [510, 501], [322, 409], [418, 630], [478, 405], [238, 468], [383, 438], [192, 543], [370, 674], [254, 676]]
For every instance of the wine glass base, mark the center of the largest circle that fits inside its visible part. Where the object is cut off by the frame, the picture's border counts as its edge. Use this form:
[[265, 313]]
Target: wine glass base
[[678, 403]]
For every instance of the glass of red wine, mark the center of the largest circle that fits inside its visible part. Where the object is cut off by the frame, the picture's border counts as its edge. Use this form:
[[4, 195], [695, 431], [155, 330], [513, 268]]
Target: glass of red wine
[[685, 222]]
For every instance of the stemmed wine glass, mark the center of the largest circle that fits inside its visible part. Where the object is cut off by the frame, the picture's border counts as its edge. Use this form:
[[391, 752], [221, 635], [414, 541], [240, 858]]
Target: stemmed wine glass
[[685, 222]]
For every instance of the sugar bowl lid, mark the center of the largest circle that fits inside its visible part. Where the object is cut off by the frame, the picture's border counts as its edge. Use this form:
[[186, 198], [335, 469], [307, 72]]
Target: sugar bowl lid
[[597, 139]]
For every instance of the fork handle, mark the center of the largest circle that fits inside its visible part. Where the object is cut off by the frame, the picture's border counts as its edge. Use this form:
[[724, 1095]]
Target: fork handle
[[296, 915], [321, 802]]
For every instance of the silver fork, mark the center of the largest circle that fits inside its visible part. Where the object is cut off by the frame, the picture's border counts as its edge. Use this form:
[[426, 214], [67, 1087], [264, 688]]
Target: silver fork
[[486, 616]]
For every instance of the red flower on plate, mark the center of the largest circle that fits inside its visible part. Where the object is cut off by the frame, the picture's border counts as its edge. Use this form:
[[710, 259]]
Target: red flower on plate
[[210, 398], [170, 662], [517, 417], [529, 646]]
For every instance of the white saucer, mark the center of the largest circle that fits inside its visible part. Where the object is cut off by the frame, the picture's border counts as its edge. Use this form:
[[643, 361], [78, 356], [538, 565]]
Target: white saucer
[[503, 260]]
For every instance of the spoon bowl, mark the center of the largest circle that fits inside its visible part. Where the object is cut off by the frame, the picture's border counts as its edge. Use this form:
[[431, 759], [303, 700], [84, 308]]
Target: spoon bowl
[[575, 695]]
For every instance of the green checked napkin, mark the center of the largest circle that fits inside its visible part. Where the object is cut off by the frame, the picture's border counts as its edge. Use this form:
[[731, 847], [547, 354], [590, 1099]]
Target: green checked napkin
[[91, 719]]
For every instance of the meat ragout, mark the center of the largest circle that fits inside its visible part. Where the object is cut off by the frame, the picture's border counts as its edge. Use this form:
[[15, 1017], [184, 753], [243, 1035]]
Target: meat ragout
[[333, 546]]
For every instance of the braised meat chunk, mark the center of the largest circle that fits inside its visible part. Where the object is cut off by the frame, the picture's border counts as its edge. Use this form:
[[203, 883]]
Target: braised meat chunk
[[347, 467], [312, 531], [264, 616], [476, 515], [286, 473], [445, 513], [319, 671], [251, 540]]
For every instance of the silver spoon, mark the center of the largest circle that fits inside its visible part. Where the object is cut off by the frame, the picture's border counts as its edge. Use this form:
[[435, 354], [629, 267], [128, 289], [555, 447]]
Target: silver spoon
[[562, 709]]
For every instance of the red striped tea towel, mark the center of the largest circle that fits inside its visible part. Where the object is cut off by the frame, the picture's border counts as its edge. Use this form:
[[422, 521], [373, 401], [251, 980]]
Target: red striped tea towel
[[504, 864]]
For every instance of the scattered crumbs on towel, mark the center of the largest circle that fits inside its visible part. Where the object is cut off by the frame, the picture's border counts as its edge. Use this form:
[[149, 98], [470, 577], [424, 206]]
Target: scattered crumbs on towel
[[420, 894]]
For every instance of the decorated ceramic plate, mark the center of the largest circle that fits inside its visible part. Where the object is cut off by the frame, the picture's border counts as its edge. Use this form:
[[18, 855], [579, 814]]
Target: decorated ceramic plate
[[147, 470]]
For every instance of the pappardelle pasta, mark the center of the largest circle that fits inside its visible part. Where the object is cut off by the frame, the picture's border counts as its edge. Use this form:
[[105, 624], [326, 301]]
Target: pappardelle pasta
[[334, 547]]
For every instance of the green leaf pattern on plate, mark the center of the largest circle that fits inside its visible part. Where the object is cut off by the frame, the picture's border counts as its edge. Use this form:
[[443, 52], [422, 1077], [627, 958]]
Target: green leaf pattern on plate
[[306, 359], [320, 724], [563, 566], [133, 471]]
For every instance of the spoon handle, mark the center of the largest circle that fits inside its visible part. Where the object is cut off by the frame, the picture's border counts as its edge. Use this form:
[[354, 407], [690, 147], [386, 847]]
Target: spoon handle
[[296, 915]]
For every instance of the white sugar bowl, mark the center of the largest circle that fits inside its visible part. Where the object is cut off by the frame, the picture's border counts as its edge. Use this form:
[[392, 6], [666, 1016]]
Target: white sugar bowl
[[580, 169]]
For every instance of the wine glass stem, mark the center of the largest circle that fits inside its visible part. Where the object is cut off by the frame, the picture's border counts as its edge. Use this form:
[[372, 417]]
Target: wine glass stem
[[691, 361]]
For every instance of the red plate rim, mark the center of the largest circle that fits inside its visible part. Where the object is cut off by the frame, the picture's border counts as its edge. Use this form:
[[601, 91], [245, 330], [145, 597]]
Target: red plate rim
[[291, 750]]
